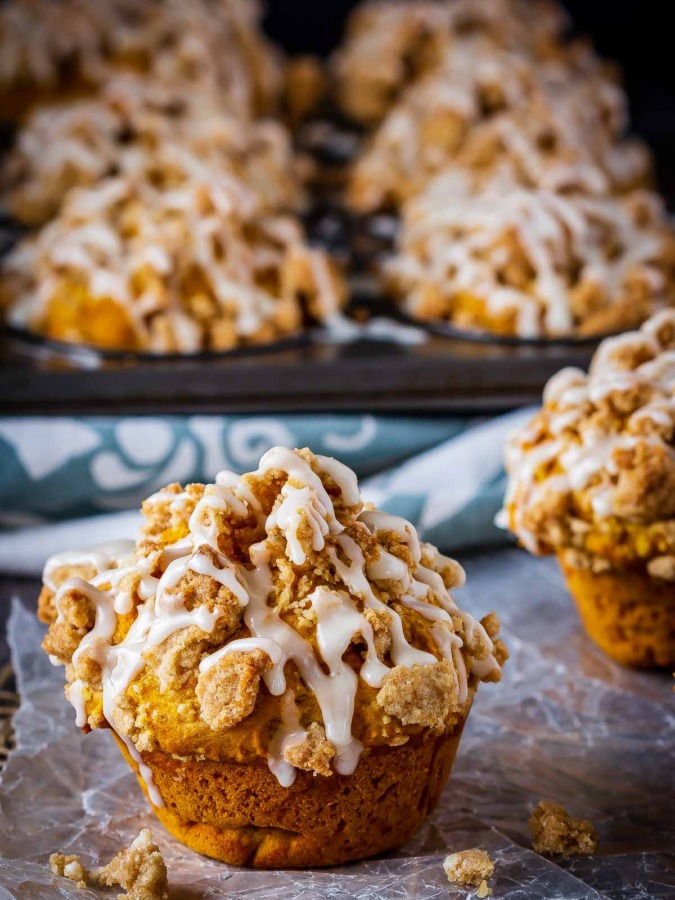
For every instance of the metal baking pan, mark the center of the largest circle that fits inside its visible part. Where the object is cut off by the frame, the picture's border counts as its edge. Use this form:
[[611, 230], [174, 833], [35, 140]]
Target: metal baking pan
[[447, 372], [442, 374]]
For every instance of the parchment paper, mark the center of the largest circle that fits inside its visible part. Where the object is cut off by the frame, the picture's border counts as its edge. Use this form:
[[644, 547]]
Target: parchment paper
[[566, 724]]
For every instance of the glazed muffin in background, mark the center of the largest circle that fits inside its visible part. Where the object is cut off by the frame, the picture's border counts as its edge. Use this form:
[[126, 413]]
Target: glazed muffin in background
[[532, 263], [284, 669], [592, 480], [41, 61], [558, 124], [122, 130], [389, 44], [181, 255]]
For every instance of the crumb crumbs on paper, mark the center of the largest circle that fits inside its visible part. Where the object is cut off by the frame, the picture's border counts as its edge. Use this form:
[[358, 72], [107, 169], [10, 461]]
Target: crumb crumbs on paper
[[556, 833], [140, 870], [69, 866], [470, 867]]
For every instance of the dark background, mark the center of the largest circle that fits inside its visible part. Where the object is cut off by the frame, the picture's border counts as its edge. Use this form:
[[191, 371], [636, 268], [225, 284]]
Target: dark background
[[636, 33]]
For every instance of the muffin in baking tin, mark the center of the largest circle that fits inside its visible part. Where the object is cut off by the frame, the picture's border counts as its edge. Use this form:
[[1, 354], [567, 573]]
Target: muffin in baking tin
[[557, 124], [524, 206], [180, 257], [124, 130], [592, 480], [284, 668], [532, 263]]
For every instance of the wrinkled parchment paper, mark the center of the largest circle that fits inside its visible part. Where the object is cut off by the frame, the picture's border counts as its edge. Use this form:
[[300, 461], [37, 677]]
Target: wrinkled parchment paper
[[565, 724]]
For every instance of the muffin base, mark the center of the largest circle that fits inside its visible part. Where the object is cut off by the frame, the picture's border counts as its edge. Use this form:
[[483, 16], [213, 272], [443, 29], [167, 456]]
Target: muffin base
[[241, 815], [629, 614]]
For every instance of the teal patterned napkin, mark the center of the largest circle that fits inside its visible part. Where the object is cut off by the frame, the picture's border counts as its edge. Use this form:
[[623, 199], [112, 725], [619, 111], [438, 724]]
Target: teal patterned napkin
[[443, 473]]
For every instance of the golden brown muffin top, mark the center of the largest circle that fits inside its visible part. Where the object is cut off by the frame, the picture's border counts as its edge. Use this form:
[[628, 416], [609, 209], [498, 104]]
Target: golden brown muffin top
[[600, 456], [267, 616], [555, 264], [183, 246]]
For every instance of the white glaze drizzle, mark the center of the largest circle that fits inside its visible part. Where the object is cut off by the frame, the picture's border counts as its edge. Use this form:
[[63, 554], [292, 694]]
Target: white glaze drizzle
[[299, 505], [289, 734], [100, 557]]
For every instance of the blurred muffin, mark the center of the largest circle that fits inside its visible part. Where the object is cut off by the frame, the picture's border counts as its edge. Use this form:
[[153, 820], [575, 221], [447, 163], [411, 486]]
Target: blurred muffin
[[41, 60], [390, 43], [557, 124], [592, 479], [181, 256], [285, 670], [123, 128], [532, 263]]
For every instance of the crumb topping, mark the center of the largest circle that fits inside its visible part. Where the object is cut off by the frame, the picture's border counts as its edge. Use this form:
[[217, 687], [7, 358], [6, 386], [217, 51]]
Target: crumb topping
[[140, 870], [278, 616], [470, 867], [228, 690], [556, 833], [418, 698], [314, 754], [532, 262], [594, 472]]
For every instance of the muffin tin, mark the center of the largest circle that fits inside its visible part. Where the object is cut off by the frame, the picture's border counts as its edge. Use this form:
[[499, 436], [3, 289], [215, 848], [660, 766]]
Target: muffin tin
[[442, 371], [314, 373]]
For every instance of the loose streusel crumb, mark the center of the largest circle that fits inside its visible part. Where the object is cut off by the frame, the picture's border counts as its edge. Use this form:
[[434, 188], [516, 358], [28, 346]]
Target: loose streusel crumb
[[556, 832], [140, 870], [470, 867], [69, 866]]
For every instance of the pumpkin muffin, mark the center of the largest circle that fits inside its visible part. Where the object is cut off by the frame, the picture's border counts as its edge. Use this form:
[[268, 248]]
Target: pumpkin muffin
[[532, 263], [557, 124], [123, 129], [592, 479], [179, 255], [389, 44], [42, 61], [284, 669]]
